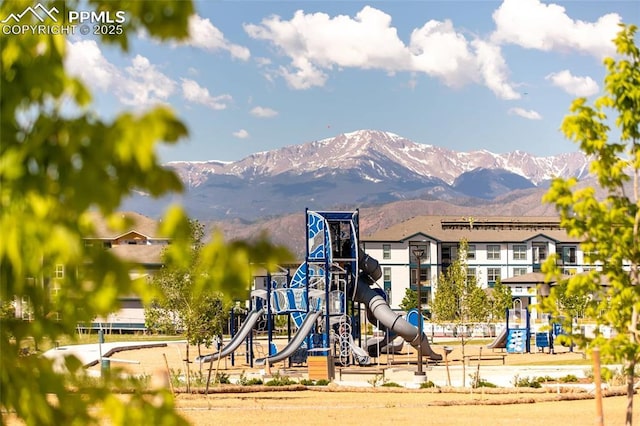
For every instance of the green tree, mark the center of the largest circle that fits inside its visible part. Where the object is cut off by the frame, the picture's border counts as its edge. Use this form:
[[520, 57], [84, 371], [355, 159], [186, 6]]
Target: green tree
[[499, 300], [459, 300], [607, 221], [572, 304], [410, 300], [200, 316], [55, 167]]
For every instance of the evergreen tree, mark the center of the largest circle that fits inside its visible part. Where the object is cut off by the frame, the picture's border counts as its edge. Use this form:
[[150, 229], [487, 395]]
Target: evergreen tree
[[410, 300]]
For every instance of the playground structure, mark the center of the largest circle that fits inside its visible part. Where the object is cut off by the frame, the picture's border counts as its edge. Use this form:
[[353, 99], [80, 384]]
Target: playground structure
[[324, 301], [516, 336]]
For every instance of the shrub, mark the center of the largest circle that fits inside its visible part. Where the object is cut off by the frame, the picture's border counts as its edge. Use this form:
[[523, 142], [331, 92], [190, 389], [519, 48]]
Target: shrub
[[569, 378], [428, 384], [278, 380], [319, 382], [479, 382], [526, 382], [222, 378]]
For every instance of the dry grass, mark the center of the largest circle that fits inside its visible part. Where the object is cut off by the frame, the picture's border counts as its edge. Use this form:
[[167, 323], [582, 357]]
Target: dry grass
[[367, 407], [236, 405]]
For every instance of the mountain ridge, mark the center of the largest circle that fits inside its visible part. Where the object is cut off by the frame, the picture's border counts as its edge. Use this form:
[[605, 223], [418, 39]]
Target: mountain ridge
[[360, 169], [354, 149]]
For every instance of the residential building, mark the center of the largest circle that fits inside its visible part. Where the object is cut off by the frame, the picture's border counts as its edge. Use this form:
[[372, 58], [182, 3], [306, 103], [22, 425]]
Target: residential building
[[140, 244], [499, 248]]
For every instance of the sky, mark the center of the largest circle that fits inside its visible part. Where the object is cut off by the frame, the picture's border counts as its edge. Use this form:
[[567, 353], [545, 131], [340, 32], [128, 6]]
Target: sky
[[466, 75]]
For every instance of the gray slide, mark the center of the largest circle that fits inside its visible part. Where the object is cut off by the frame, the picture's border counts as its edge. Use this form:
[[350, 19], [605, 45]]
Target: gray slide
[[295, 343], [242, 333], [500, 342], [380, 309]]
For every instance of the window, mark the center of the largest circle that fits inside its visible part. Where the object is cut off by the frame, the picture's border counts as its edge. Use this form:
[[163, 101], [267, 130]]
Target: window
[[471, 251], [519, 252], [425, 252], [539, 253], [448, 255], [425, 272], [471, 274], [569, 255], [493, 252], [519, 271], [386, 251], [59, 273], [25, 308], [55, 288], [493, 275], [386, 274]]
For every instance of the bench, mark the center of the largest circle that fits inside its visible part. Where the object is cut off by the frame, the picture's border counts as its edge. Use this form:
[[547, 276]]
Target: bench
[[360, 371], [468, 358]]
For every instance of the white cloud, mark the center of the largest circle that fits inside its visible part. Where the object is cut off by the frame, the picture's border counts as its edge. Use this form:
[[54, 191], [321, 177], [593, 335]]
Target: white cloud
[[197, 94], [317, 44], [139, 84], [535, 25], [263, 112], [203, 34], [525, 113], [494, 70], [574, 85], [85, 61], [436, 49], [262, 61], [144, 84], [241, 134]]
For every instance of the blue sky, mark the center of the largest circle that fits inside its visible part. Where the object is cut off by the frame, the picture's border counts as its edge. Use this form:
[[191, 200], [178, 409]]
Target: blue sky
[[467, 75]]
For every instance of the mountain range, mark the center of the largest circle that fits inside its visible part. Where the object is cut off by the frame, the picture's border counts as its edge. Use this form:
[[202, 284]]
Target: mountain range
[[361, 169]]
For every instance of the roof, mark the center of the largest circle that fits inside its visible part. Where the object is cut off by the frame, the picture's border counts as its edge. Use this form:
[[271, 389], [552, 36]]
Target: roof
[[142, 254], [135, 222], [530, 278], [475, 229]]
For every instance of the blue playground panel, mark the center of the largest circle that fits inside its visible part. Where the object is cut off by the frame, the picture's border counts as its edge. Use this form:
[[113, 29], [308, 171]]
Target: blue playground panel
[[412, 318], [542, 339], [517, 340]]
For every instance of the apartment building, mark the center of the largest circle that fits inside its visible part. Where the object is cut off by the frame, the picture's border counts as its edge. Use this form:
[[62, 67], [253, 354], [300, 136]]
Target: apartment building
[[510, 249], [140, 244]]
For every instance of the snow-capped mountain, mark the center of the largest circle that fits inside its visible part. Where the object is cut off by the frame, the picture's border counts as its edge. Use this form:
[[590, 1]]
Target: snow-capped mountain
[[382, 156], [365, 167]]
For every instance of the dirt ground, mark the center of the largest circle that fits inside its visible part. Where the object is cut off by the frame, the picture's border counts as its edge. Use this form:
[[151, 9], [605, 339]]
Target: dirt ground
[[365, 407], [373, 405], [173, 357]]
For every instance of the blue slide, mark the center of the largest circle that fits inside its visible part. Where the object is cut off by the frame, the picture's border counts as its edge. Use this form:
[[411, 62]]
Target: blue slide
[[295, 343], [242, 333]]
